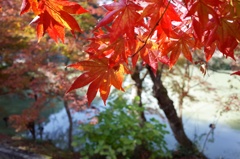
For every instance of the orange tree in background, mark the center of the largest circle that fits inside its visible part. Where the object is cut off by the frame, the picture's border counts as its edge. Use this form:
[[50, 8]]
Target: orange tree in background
[[30, 69]]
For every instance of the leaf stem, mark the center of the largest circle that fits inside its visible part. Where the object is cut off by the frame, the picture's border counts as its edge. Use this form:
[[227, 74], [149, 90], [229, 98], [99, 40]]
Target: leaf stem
[[152, 31]]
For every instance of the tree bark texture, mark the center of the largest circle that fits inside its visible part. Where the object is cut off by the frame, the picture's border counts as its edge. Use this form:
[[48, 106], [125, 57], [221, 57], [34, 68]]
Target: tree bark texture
[[140, 151], [138, 82], [166, 104], [70, 125]]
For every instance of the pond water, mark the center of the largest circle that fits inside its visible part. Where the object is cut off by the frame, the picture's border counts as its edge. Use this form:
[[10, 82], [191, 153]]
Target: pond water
[[224, 143]]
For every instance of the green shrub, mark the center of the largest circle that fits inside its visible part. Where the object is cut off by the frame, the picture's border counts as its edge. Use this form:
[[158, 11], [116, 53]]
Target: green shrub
[[118, 134]]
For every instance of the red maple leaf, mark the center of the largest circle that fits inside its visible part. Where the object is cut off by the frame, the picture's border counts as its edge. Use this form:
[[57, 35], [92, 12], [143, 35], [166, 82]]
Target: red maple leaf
[[202, 9], [150, 56], [179, 43], [163, 12], [100, 75], [236, 73], [116, 51], [124, 17], [201, 12], [53, 16], [222, 34]]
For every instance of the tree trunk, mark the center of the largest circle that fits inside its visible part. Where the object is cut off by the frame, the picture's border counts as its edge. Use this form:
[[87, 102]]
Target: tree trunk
[[138, 82], [70, 126], [140, 151], [166, 104]]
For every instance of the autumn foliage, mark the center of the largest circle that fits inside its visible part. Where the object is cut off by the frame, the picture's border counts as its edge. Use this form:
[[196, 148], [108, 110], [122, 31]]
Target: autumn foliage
[[53, 16], [147, 31]]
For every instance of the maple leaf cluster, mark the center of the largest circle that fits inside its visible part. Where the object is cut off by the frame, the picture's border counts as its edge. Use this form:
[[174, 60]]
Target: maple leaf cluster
[[53, 16], [150, 31]]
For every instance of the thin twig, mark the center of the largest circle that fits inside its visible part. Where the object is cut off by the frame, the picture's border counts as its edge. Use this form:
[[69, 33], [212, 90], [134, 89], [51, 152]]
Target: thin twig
[[212, 127], [152, 31]]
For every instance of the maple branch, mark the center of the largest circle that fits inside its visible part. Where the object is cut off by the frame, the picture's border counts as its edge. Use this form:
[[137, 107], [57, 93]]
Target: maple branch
[[144, 76], [152, 31]]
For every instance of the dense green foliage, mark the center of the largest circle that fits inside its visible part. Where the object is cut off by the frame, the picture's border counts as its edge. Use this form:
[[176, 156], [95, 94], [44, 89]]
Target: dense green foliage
[[119, 134]]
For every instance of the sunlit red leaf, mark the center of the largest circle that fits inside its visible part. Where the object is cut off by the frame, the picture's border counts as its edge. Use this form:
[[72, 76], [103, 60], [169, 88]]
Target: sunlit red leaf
[[100, 76], [69, 7], [223, 36], [152, 56], [198, 29], [163, 11], [203, 9], [124, 17], [117, 51], [53, 16], [209, 51], [181, 43], [27, 5]]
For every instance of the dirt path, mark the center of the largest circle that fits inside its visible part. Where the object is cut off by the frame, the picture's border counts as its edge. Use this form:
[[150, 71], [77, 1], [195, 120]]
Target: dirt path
[[15, 148], [12, 147], [8, 152]]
